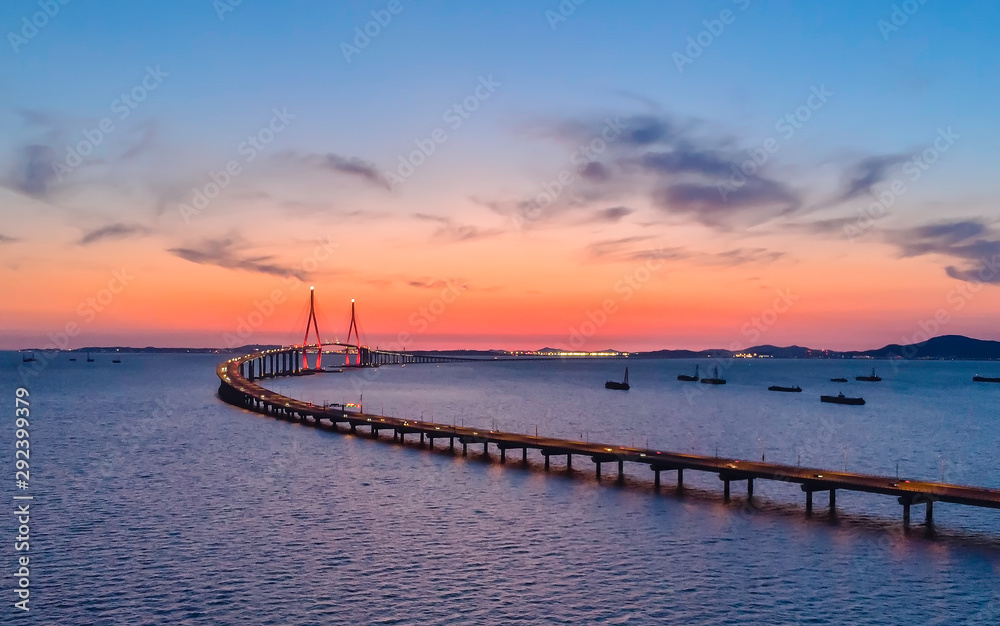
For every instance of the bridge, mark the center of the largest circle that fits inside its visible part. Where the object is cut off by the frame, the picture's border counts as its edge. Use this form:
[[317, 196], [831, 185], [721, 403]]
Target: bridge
[[239, 387]]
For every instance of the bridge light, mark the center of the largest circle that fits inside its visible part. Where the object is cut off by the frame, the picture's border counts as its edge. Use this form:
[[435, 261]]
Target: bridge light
[[311, 288], [352, 300]]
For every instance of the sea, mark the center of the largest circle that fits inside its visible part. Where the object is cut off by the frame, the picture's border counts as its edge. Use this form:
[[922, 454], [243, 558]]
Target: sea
[[153, 502]]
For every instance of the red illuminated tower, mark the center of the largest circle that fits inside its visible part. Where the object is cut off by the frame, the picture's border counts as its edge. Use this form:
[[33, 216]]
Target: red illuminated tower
[[353, 328], [305, 340]]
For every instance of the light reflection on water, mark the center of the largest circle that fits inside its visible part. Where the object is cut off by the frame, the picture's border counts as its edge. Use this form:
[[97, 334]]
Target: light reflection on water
[[158, 503]]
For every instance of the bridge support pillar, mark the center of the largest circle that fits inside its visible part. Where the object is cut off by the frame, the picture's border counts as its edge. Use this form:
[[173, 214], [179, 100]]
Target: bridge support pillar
[[503, 455], [621, 471], [725, 492], [929, 519], [833, 503], [395, 435], [421, 440], [809, 504], [354, 428], [374, 432], [656, 479], [680, 479], [451, 444], [598, 464], [486, 448], [546, 462], [749, 488], [569, 462], [906, 515], [430, 443], [524, 456], [465, 449]]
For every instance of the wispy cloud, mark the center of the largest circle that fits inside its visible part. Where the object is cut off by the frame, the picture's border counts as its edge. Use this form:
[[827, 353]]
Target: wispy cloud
[[861, 176], [226, 253], [33, 173], [112, 231], [6, 239], [449, 231], [973, 242], [351, 166]]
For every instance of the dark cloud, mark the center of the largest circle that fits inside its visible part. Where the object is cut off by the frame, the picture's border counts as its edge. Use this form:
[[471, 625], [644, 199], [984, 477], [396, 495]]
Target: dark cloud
[[940, 238], [596, 172], [611, 214], [113, 231], [688, 159], [6, 239], [352, 166], [867, 172], [972, 242], [225, 253], [726, 206], [33, 173]]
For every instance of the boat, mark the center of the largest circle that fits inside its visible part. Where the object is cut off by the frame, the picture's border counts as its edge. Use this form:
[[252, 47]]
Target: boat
[[689, 378], [985, 379], [874, 378], [72, 358], [714, 380], [90, 359], [838, 380], [27, 356], [795, 389], [116, 360], [614, 384], [842, 399]]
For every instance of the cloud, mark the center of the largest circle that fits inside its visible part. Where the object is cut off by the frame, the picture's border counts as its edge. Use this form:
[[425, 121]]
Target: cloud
[[452, 232], [225, 253], [742, 256], [113, 231], [869, 171], [6, 239], [612, 247], [352, 166], [725, 206], [611, 214], [973, 242], [33, 173]]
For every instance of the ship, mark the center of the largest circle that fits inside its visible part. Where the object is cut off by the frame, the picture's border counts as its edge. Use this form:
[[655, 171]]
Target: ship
[[689, 378], [27, 356], [90, 359], [842, 399], [614, 384], [838, 380], [874, 378], [714, 380], [985, 379], [795, 389]]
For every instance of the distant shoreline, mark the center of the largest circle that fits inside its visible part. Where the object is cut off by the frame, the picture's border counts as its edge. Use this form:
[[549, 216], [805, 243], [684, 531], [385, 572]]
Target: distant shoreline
[[944, 348]]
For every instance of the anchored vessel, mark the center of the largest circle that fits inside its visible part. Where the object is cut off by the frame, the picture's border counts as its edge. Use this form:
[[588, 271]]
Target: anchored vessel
[[614, 384], [838, 380], [795, 389], [714, 380], [689, 378], [842, 399], [985, 379], [874, 378]]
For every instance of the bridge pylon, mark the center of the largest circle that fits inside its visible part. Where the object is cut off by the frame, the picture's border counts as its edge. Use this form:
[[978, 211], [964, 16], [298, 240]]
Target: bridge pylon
[[305, 339], [357, 337]]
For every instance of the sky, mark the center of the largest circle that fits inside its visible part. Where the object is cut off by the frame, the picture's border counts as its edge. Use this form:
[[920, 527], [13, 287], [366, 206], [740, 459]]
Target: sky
[[519, 174]]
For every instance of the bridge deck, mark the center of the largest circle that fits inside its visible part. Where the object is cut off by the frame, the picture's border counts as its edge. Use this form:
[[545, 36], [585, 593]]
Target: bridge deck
[[810, 479]]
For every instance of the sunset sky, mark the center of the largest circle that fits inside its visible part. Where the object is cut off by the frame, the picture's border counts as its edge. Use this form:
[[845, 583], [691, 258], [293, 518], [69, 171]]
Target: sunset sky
[[633, 175]]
